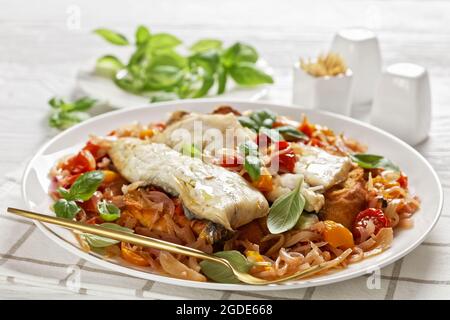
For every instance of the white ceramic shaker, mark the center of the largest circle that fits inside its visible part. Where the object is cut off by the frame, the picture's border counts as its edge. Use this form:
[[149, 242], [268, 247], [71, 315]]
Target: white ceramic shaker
[[361, 52], [402, 102]]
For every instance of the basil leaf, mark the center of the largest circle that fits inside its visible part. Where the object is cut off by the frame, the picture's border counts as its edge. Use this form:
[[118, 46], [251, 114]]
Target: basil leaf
[[290, 133], [169, 58], [64, 193], [191, 150], [108, 66], [248, 123], [272, 134], [65, 209], [56, 102], [239, 52], [208, 82], [263, 118], [129, 82], [373, 161], [142, 35], [252, 165], [163, 41], [286, 210], [248, 148], [63, 120], [205, 45], [222, 76], [112, 37], [208, 60], [86, 184], [161, 77], [220, 273], [108, 211], [83, 104], [101, 242], [246, 74]]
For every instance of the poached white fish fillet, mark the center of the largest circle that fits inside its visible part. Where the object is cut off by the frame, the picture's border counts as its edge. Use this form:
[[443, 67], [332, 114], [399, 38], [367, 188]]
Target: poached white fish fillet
[[213, 132], [321, 168], [210, 192]]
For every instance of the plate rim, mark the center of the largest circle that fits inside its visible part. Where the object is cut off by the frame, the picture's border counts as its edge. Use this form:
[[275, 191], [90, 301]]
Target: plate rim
[[220, 286]]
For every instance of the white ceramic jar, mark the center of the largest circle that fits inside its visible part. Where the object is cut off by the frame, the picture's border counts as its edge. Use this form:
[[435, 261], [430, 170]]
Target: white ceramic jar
[[402, 102], [328, 93], [361, 52]]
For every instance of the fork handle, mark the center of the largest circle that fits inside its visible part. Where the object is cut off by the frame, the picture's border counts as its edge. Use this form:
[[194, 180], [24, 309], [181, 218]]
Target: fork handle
[[119, 235]]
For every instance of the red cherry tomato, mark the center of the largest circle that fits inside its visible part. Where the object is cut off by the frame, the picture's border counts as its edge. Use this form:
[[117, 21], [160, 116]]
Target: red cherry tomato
[[403, 181], [307, 128], [287, 161], [230, 161], [286, 157], [94, 149], [316, 142], [81, 162], [377, 216], [281, 145]]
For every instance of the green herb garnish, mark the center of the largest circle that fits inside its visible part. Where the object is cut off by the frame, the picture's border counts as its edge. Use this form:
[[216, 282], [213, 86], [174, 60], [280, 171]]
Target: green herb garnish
[[258, 119], [222, 274], [108, 211], [286, 210], [66, 208], [291, 133], [81, 190], [373, 161], [252, 165], [157, 70], [95, 241], [66, 114]]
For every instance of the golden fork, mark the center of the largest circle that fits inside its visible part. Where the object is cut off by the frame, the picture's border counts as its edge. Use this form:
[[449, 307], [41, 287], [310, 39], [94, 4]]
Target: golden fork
[[172, 247]]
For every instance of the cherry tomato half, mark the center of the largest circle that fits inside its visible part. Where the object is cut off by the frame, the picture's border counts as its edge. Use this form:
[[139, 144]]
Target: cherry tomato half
[[377, 216], [94, 149], [307, 128], [286, 157], [82, 162], [403, 181]]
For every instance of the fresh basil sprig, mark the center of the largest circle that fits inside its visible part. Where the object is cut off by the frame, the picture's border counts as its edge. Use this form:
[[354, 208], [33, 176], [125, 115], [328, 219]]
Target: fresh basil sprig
[[222, 274], [108, 211], [157, 70], [286, 210], [253, 164], [84, 187], [258, 119], [373, 161], [81, 190], [290, 133], [66, 114], [66, 208], [112, 37], [95, 241]]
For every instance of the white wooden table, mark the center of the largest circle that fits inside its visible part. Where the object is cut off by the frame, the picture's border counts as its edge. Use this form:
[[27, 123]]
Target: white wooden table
[[41, 49]]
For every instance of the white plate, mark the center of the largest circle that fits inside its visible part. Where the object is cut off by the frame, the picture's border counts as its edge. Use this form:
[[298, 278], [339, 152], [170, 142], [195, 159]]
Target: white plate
[[423, 181], [105, 91]]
